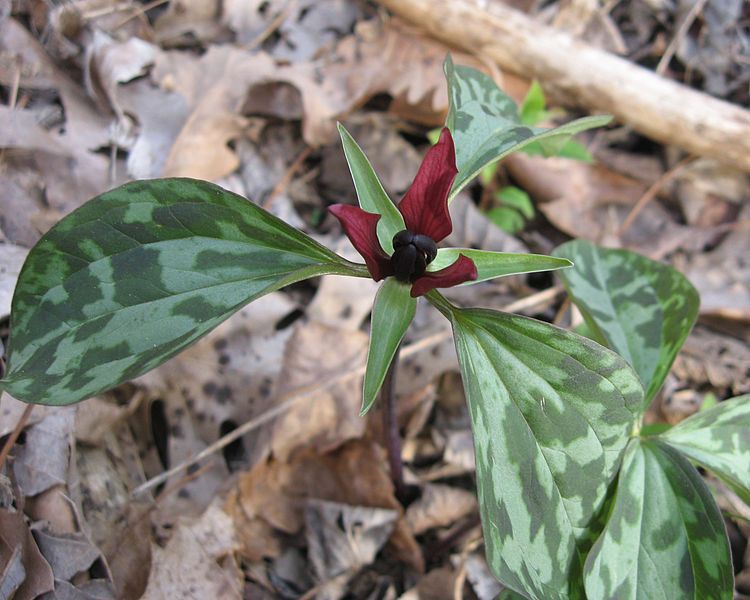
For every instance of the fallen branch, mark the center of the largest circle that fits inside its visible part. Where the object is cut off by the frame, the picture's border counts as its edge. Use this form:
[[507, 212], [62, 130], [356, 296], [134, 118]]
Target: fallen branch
[[576, 74]]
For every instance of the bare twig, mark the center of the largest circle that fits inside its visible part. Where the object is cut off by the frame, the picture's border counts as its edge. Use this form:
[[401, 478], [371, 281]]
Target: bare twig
[[287, 178], [140, 12], [287, 401], [15, 433], [682, 30], [652, 191]]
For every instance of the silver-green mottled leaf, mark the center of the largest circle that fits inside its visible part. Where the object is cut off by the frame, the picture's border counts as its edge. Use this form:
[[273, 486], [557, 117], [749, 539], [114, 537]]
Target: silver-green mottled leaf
[[137, 274], [641, 309], [719, 439], [551, 413], [392, 313], [665, 536], [486, 124], [498, 264], [370, 192]]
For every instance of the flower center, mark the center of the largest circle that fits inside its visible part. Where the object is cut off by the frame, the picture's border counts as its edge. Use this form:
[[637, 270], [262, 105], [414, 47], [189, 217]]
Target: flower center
[[412, 252]]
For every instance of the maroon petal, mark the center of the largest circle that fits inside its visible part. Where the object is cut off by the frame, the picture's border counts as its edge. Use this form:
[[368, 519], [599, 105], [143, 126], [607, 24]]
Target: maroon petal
[[460, 271], [425, 205], [361, 228]]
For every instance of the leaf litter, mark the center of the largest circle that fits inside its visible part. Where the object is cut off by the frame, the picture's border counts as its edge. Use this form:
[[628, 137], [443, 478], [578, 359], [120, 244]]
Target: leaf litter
[[247, 94]]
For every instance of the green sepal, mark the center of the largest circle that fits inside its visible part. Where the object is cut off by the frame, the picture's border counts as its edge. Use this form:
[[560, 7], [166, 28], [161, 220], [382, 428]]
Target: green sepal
[[641, 309], [370, 192], [551, 413], [665, 536], [718, 438], [498, 264], [392, 313], [135, 275], [486, 124]]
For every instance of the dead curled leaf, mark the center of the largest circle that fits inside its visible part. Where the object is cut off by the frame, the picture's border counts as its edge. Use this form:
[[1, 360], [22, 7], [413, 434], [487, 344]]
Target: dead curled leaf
[[439, 506], [272, 495], [330, 417], [42, 461], [197, 561], [26, 574], [343, 538]]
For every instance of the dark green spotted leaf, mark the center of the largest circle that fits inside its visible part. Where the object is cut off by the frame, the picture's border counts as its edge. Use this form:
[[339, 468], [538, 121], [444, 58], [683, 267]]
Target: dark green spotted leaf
[[487, 126], [498, 264], [665, 537], [719, 439], [551, 413], [392, 313], [370, 192], [641, 309], [137, 274]]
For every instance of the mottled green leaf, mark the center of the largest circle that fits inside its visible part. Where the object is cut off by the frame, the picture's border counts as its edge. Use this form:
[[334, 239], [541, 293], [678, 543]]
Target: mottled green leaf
[[665, 537], [486, 124], [137, 274], [551, 413], [372, 196], [719, 439], [392, 313], [498, 264], [641, 309]]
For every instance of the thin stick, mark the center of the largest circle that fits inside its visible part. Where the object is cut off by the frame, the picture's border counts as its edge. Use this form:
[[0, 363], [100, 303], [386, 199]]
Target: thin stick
[[15, 433], [651, 192], [290, 399], [140, 12], [277, 21], [287, 178], [666, 58]]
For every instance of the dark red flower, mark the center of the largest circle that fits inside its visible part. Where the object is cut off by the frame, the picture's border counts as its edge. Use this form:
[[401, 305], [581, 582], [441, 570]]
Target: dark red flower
[[424, 208]]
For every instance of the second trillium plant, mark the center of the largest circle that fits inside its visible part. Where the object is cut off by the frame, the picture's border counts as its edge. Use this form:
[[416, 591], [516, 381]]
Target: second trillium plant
[[139, 273]]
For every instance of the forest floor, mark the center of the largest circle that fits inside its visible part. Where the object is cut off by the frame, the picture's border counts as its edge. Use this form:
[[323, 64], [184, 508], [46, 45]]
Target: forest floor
[[246, 93]]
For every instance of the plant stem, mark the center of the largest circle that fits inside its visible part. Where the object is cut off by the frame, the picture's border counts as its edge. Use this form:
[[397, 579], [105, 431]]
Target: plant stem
[[391, 433]]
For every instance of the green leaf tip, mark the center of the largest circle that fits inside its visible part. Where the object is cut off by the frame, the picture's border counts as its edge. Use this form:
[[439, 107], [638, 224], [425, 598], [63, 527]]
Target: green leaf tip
[[392, 314], [640, 308], [487, 126]]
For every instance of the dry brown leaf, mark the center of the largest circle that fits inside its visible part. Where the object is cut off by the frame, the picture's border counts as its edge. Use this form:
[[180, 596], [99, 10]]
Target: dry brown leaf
[[54, 507], [484, 584], [342, 302], [709, 357], [342, 538], [214, 87], [16, 539], [722, 276], [439, 506], [197, 562], [438, 584], [22, 199], [228, 376], [67, 554], [198, 17], [42, 461], [20, 129], [159, 117], [11, 260], [330, 417], [272, 495], [110, 63], [69, 180]]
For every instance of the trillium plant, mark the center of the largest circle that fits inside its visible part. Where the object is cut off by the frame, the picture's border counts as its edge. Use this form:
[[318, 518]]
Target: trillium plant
[[578, 499]]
